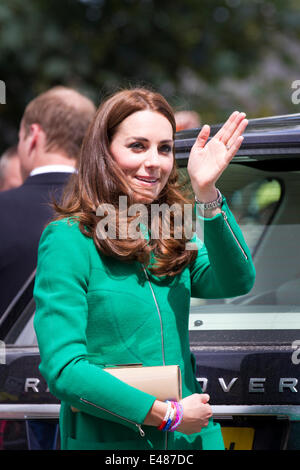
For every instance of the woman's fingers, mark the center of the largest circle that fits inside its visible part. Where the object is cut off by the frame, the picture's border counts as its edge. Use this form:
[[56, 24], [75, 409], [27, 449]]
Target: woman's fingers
[[204, 397], [234, 148], [221, 132], [203, 136], [237, 133], [228, 134], [230, 127]]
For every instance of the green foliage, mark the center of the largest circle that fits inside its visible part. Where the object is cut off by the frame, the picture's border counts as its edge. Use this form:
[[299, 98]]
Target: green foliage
[[209, 55]]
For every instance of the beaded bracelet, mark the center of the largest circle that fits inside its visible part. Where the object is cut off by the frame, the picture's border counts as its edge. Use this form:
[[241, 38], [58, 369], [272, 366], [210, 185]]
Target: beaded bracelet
[[179, 416], [170, 420], [174, 409], [165, 420]]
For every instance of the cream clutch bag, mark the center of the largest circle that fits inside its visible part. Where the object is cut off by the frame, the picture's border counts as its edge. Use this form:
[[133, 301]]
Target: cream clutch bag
[[164, 382]]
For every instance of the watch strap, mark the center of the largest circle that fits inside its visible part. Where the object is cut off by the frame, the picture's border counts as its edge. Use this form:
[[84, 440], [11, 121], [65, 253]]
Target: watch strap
[[212, 204]]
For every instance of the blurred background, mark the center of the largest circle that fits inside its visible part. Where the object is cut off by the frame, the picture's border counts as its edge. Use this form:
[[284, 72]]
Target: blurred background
[[209, 56]]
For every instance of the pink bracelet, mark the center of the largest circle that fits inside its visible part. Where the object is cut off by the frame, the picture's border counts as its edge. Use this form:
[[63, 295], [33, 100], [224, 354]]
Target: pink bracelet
[[179, 416]]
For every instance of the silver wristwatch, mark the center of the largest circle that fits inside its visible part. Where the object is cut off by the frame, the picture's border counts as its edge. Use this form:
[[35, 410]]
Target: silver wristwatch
[[210, 205]]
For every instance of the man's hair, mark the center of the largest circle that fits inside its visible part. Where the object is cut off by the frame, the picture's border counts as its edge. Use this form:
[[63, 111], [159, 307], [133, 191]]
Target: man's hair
[[64, 115], [11, 152]]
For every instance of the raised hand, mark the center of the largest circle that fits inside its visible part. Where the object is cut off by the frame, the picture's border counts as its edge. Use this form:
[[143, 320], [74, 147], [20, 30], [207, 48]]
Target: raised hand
[[208, 160]]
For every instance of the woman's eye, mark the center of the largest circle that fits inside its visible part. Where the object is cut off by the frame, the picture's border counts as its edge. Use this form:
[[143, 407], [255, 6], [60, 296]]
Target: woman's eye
[[136, 146], [166, 148]]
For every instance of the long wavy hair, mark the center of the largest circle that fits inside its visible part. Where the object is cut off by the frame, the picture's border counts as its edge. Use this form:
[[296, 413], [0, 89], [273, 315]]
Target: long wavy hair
[[101, 181]]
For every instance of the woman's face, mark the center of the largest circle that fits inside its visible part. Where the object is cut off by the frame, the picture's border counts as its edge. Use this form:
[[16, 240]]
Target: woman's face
[[143, 147]]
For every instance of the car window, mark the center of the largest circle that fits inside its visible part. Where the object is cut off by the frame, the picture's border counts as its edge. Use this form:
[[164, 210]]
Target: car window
[[27, 336], [254, 206], [265, 205], [21, 332]]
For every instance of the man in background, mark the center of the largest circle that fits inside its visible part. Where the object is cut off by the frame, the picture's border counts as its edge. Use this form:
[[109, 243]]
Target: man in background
[[50, 136], [10, 170]]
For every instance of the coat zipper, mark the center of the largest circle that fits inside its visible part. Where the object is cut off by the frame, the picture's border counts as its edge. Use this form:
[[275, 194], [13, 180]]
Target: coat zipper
[[234, 236], [142, 433], [162, 336], [159, 314]]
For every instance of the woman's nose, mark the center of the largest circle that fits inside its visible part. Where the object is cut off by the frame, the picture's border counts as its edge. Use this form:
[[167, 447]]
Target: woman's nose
[[152, 158]]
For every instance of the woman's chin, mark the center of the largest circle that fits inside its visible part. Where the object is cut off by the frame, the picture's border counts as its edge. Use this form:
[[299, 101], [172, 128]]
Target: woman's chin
[[144, 196], [143, 199]]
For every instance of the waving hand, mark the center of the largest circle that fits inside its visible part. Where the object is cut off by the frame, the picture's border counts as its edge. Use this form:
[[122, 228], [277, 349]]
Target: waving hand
[[208, 160]]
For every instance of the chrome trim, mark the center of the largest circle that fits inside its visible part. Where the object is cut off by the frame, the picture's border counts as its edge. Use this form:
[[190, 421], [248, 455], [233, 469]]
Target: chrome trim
[[17, 297], [280, 411], [15, 411]]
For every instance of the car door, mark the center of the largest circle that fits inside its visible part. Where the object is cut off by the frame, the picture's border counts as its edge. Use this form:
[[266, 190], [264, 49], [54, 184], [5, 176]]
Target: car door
[[246, 349], [28, 412]]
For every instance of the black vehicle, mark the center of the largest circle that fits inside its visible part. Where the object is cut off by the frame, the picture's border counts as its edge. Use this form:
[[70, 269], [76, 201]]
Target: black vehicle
[[246, 349]]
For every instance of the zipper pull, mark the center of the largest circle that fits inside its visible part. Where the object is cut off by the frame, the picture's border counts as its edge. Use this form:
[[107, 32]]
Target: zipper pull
[[142, 433], [224, 215]]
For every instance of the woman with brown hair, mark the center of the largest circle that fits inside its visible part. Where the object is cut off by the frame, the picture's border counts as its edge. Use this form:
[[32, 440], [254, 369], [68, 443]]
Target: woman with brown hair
[[107, 294]]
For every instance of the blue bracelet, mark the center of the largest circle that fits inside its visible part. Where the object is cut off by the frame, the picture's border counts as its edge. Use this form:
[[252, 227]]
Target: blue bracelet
[[170, 418]]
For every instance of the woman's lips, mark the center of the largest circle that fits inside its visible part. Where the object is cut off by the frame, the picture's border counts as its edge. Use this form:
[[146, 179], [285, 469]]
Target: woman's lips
[[147, 180]]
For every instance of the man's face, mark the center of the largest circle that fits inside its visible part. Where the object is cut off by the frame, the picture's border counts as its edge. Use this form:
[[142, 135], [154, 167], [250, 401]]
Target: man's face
[[12, 176]]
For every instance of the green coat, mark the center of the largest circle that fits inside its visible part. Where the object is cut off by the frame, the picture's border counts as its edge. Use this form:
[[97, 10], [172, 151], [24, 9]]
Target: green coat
[[93, 310]]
